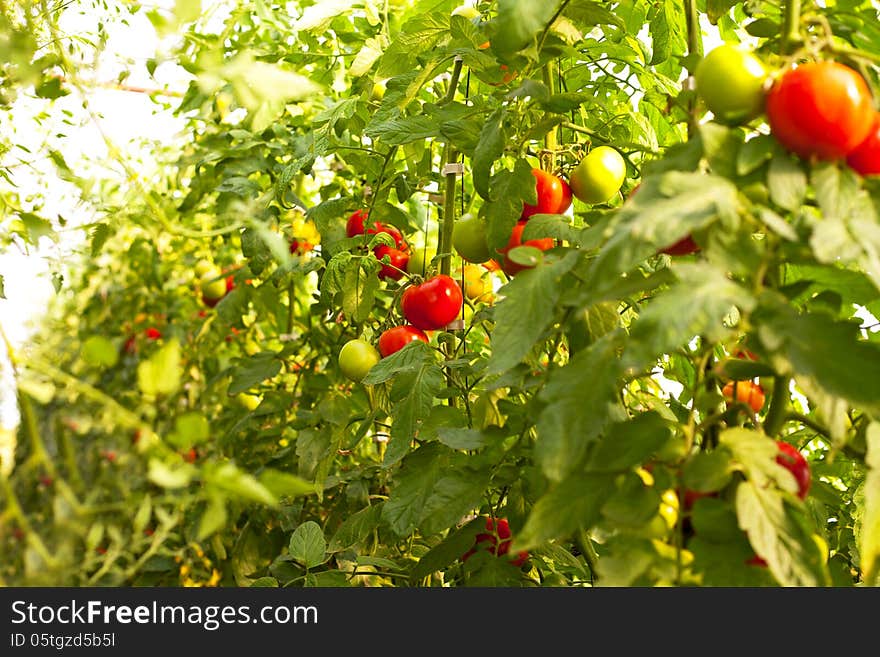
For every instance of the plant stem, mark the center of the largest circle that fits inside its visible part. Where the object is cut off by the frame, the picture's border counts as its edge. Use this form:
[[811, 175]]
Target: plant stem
[[791, 36], [585, 545], [778, 406], [550, 140], [695, 47]]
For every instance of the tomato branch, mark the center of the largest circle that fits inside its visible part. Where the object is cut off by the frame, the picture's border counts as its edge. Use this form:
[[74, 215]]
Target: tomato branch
[[791, 26]]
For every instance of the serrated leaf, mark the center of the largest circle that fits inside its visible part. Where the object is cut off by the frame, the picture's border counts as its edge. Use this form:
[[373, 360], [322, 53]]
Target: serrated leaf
[[452, 497], [629, 444], [360, 287], [307, 544], [525, 312], [574, 503], [356, 527], [413, 394], [253, 371], [489, 148], [786, 181]]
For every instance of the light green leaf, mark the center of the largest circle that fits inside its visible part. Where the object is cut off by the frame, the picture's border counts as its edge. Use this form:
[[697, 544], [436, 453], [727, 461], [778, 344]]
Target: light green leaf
[[160, 375], [307, 544]]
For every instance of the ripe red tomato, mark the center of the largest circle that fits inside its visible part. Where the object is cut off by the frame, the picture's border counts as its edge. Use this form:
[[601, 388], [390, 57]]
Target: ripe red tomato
[[554, 195], [153, 333], [512, 268], [865, 159], [355, 224], [433, 304], [790, 458], [230, 283], [399, 260], [684, 246], [397, 337], [747, 392], [492, 544], [820, 109]]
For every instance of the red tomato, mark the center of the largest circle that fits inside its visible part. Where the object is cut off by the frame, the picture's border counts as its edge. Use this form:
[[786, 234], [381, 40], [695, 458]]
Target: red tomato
[[230, 283], [355, 224], [397, 267], [297, 246], [396, 338], [554, 195], [684, 246], [153, 333], [790, 458], [865, 159], [512, 268], [396, 235], [432, 304], [820, 109], [490, 539]]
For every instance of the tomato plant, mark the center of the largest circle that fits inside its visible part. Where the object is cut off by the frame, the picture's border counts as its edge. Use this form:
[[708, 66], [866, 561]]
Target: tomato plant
[[397, 337], [821, 109], [497, 540], [432, 304], [792, 460], [398, 262]]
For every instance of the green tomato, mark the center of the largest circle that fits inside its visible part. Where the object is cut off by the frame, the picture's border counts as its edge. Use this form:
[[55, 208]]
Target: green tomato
[[469, 239], [202, 267], [378, 91], [598, 176], [213, 285], [730, 80], [356, 358], [421, 253]]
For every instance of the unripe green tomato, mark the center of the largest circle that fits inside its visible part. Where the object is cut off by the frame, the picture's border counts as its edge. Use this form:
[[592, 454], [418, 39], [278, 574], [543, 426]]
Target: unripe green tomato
[[378, 91], [202, 267], [421, 252], [469, 239], [213, 284], [730, 80], [356, 358], [598, 176]]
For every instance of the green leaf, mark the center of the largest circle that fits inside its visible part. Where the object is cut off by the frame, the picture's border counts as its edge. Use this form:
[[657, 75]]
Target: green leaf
[[753, 153], [283, 484], [36, 227], [253, 371], [822, 352], [836, 189], [448, 550], [403, 130], [356, 527], [213, 518], [787, 181], [166, 476], [629, 444], [526, 311], [413, 394], [414, 356], [518, 22], [307, 544], [98, 237], [707, 472], [99, 351], [781, 536], [869, 534], [186, 11], [697, 305], [414, 483], [508, 191], [461, 438], [190, 429], [227, 478], [452, 497], [161, 374], [488, 149], [581, 400], [359, 288], [572, 504]]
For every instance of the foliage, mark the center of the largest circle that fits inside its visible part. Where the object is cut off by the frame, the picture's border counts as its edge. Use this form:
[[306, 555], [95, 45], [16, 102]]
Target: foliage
[[231, 450]]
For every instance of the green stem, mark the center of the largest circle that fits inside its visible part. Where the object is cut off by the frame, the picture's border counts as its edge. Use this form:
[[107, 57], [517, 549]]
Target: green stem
[[550, 139], [695, 47], [585, 545], [778, 406], [791, 36]]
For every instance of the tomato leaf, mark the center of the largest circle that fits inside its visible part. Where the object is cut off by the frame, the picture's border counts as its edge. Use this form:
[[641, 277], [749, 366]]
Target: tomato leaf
[[526, 311], [780, 534], [487, 151], [786, 181], [253, 371], [307, 544], [629, 444], [413, 395], [448, 550], [356, 527], [572, 504], [518, 22]]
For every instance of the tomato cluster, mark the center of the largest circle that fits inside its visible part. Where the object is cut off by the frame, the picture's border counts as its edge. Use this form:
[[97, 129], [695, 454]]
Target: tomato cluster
[[398, 255], [819, 109]]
